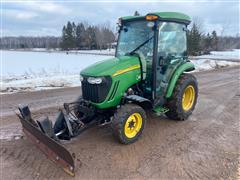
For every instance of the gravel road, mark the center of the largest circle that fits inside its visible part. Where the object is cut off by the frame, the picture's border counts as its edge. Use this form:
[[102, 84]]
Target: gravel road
[[206, 146]]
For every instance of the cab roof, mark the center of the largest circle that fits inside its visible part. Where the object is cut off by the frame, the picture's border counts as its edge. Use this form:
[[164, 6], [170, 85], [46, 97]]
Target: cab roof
[[164, 16]]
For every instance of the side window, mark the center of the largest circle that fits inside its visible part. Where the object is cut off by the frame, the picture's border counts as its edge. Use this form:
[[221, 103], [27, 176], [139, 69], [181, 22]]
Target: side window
[[172, 39]]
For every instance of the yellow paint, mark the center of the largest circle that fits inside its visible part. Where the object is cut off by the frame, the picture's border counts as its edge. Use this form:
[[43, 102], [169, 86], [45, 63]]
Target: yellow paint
[[69, 172], [133, 125], [137, 66], [188, 98]]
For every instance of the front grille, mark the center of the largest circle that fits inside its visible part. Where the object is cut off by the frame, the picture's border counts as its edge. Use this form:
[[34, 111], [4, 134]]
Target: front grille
[[96, 93]]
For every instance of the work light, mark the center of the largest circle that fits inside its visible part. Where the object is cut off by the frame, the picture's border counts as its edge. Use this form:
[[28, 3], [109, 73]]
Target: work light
[[93, 80]]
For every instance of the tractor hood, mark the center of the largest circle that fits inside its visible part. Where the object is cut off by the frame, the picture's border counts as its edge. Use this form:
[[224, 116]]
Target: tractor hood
[[111, 66]]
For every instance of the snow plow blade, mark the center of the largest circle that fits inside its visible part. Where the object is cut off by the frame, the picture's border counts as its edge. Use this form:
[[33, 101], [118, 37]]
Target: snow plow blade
[[49, 146]]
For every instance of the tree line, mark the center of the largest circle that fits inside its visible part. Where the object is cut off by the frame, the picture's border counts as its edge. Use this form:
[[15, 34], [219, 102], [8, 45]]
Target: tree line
[[81, 36], [48, 42], [84, 36], [200, 43]]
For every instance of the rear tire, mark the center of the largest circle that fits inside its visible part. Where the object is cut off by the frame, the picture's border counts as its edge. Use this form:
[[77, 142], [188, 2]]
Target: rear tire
[[184, 98], [128, 123]]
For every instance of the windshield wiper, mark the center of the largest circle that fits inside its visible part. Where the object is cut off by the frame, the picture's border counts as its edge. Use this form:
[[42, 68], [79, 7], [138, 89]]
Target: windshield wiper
[[138, 47]]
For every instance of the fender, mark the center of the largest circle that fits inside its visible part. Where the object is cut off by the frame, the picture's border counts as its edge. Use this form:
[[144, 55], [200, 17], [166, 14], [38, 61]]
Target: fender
[[186, 67]]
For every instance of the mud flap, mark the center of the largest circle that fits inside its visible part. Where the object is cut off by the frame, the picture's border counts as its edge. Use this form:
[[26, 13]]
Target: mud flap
[[50, 147]]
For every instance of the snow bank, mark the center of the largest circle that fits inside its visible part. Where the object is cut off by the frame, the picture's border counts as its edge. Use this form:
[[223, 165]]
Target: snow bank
[[39, 83], [231, 54], [228, 55], [206, 64], [30, 71]]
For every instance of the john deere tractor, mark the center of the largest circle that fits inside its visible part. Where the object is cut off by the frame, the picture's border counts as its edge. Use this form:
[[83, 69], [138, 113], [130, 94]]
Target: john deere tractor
[[150, 71]]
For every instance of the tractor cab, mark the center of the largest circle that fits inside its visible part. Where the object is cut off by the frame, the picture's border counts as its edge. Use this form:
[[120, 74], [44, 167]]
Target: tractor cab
[[159, 40]]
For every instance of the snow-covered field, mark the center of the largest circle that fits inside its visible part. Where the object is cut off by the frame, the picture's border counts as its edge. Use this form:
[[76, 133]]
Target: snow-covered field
[[29, 71], [23, 71], [108, 52]]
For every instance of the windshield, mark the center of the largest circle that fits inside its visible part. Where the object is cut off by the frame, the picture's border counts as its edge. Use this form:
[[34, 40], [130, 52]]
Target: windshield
[[136, 37]]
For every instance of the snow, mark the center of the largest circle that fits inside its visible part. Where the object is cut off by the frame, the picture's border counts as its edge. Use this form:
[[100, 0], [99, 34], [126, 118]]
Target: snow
[[39, 83], [31, 71], [227, 55], [233, 54], [101, 52], [207, 64], [23, 71], [35, 64], [109, 52]]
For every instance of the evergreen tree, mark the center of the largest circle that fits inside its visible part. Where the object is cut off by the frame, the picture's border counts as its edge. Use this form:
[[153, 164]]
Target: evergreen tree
[[214, 41], [63, 43], [207, 43], [84, 36], [68, 41], [193, 40], [70, 37], [80, 36], [74, 34]]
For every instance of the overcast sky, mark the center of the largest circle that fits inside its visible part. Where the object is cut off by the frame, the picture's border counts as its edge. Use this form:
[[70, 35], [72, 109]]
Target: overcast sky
[[40, 18]]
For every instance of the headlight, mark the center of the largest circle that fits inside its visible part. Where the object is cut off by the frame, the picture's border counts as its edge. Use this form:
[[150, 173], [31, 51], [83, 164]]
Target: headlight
[[93, 80], [81, 78]]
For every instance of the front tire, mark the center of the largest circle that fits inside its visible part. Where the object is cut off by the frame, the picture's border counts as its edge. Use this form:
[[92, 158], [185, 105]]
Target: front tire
[[128, 123], [184, 98]]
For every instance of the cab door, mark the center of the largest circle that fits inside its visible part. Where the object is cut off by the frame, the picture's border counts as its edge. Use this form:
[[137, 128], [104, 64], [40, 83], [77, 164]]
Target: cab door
[[172, 47]]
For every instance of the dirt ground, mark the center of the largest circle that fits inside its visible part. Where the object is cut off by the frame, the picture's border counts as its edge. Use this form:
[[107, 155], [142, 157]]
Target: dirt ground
[[206, 146]]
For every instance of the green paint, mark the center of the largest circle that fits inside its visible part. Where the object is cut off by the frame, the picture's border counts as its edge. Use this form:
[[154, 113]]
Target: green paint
[[172, 15], [126, 18], [176, 16], [160, 110], [108, 68], [184, 67], [127, 79]]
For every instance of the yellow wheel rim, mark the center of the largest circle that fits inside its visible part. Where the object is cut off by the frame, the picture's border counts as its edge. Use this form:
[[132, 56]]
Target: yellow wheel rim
[[133, 125], [188, 98]]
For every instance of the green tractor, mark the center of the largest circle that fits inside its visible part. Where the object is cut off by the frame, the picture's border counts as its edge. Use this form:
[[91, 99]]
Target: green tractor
[[150, 71]]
